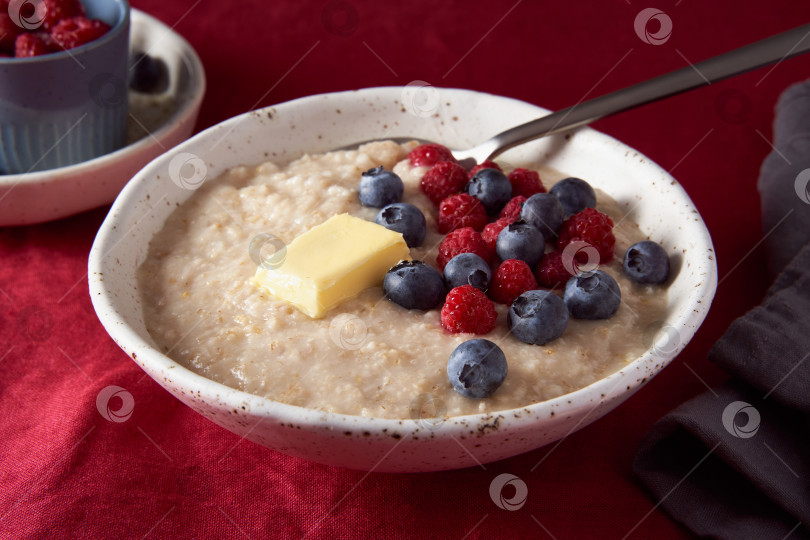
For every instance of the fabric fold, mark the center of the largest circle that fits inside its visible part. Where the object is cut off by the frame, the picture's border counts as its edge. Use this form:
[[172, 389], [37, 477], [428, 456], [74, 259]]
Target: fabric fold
[[733, 462]]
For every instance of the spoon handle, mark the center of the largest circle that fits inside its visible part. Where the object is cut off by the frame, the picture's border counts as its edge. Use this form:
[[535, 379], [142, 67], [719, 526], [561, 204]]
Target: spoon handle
[[761, 53]]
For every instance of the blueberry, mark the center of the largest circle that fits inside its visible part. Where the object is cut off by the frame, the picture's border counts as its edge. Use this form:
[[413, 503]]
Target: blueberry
[[545, 212], [646, 262], [537, 317], [476, 368], [406, 219], [467, 269], [492, 188], [148, 75], [574, 194], [592, 295], [414, 285], [379, 188], [519, 240]]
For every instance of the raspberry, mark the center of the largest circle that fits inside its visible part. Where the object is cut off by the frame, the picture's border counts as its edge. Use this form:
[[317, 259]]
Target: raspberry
[[525, 182], [592, 227], [513, 208], [467, 309], [31, 45], [461, 210], [512, 278], [463, 240], [491, 231], [427, 155], [57, 10], [488, 164], [8, 33], [442, 180], [551, 271], [75, 31]]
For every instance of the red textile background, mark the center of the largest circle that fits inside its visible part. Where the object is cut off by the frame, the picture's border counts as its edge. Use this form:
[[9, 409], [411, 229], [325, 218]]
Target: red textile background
[[66, 472]]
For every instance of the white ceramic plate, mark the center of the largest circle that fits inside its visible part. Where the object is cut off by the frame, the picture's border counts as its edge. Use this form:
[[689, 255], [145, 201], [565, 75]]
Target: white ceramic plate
[[46, 195], [458, 118]]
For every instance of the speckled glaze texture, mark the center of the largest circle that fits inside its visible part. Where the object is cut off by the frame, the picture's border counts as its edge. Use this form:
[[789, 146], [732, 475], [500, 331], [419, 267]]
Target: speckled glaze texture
[[320, 123], [39, 196]]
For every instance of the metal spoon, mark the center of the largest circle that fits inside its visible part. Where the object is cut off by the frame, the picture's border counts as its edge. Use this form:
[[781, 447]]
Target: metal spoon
[[761, 53]]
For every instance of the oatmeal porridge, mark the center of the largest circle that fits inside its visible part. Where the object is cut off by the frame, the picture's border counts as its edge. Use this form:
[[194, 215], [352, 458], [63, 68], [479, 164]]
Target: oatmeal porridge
[[367, 356]]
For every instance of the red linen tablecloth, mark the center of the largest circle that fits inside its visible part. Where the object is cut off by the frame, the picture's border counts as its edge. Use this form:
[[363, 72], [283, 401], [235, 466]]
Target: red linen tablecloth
[[65, 471]]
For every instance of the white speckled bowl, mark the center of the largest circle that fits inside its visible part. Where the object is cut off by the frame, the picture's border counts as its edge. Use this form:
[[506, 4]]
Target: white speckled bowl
[[461, 117]]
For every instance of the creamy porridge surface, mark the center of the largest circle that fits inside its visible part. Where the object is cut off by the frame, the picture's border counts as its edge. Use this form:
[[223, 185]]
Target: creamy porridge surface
[[367, 356]]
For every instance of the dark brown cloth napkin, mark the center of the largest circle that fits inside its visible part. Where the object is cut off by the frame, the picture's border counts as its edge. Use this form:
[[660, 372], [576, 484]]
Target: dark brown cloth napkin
[[734, 462]]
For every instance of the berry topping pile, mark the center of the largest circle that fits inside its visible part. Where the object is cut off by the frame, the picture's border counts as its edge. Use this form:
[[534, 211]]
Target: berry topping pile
[[414, 285], [493, 230], [592, 227], [63, 26], [427, 155], [442, 180], [488, 164], [574, 194], [463, 240], [405, 219], [525, 183], [477, 368], [544, 212], [537, 317], [512, 278], [492, 188], [461, 210], [519, 240], [379, 188], [508, 241], [513, 208], [551, 271], [646, 262], [593, 295], [467, 269], [468, 310]]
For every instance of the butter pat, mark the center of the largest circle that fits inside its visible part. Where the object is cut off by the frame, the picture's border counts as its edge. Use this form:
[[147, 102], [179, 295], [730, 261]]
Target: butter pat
[[333, 262]]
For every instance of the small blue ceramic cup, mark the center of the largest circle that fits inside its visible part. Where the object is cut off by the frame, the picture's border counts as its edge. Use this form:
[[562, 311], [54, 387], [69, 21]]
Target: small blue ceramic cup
[[66, 107]]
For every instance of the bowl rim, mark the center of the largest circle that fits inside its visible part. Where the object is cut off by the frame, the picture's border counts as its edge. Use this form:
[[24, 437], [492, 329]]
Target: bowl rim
[[605, 390], [121, 25], [187, 106]]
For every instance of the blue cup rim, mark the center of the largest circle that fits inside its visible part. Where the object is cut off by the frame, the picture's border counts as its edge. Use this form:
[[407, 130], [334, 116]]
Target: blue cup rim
[[121, 25]]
